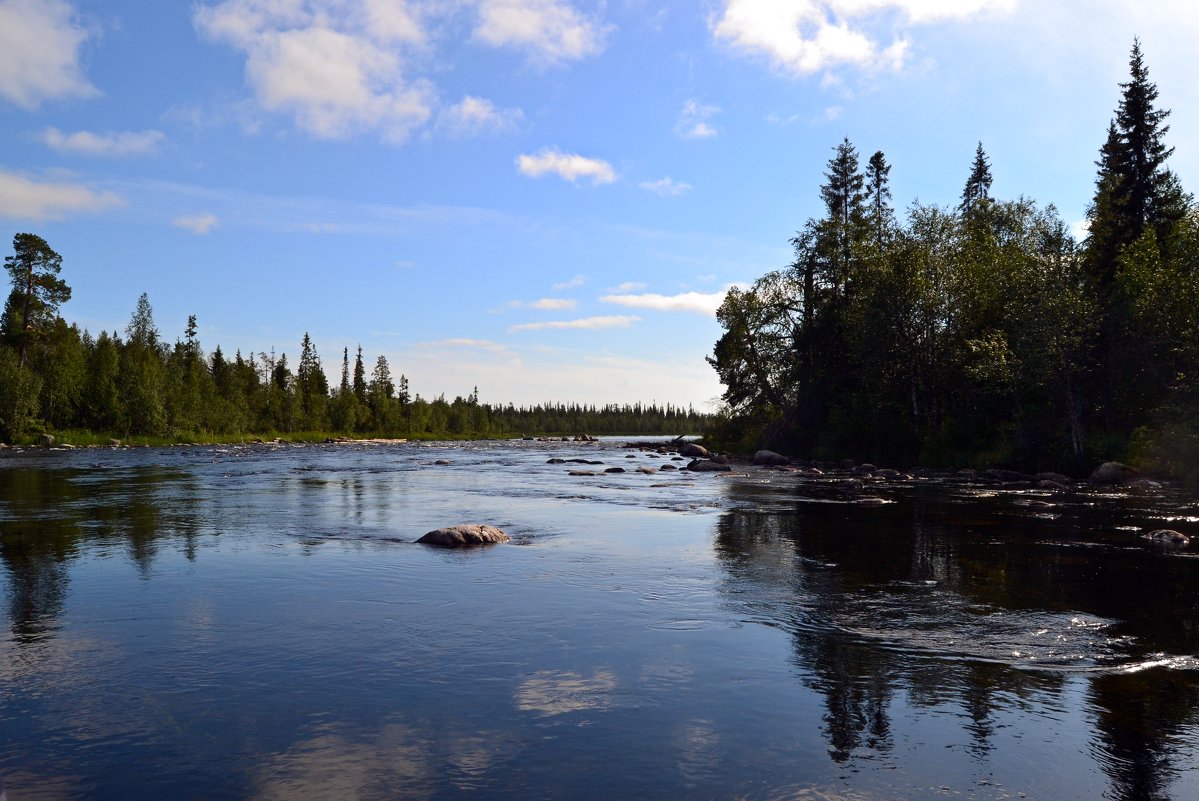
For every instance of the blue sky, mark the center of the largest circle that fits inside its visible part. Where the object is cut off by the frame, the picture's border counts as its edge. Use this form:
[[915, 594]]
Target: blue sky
[[543, 198]]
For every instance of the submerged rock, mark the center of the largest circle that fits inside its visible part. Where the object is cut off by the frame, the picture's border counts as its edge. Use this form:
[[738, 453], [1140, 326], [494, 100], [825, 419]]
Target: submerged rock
[[464, 535]]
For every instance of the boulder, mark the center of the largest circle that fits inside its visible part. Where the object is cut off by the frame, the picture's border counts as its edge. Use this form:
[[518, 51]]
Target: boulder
[[765, 457], [1146, 485], [45, 440], [442, 461], [706, 466], [667, 467], [614, 470], [464, 536], [1167, 536], [116, 443], [722, 458], [649, 471], [1056, 478], [694, 451], [1110, 474]]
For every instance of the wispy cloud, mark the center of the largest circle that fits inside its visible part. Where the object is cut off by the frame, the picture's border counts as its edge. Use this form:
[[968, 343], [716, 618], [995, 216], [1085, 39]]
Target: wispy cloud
[[40, 43], [473, 344], [196, 223], [30, 199], [553, 304], [123, 143], [807, 36], [569, 166], [549, 31], [571, 283], [697, 302], [585, 323], [666, 187], [476, 116], [628, 286], [693, 120]]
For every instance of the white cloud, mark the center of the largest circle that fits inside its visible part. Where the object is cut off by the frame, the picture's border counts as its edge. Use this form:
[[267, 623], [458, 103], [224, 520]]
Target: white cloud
[[124, 143], [666, 187], [550, 31], [39, 52], [196, 223], [25, 198], [553, 304], [1081, 230], [571, 283], [693, 120], [806, 36], [628, 286], [569, 166], [336, 68], [585, 323], [698, 302], [475, 116]]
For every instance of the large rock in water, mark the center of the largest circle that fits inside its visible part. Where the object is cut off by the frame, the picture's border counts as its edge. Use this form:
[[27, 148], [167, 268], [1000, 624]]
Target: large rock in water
[[694, 451], [765, 457], [701, 466], [1112, 473], [464, 536]]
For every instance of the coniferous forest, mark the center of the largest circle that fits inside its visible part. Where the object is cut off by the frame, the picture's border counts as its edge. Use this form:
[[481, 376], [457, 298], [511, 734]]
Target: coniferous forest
[[983, 333], [53, 377]]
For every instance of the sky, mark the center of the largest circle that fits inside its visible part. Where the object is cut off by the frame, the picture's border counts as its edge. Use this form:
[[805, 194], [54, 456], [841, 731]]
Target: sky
[[544, 199]]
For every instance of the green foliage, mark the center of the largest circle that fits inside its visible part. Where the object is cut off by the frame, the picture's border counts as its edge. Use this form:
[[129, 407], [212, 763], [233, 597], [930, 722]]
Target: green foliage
[[19, 389], [980, 334]]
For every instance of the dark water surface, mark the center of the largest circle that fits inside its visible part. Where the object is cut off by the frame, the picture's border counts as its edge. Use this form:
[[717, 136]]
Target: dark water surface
[[237, 623]]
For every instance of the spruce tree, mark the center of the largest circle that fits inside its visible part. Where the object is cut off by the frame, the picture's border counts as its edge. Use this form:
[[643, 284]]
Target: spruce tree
[[1136, 210], [843, 226], [978, 185], [878, 195]]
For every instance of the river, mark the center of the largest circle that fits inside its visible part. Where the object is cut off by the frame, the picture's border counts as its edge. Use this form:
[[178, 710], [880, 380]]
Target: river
[[257, 623]]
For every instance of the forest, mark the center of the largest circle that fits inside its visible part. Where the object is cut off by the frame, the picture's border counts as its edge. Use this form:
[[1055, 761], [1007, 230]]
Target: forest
[[55, 378], [984, 333]]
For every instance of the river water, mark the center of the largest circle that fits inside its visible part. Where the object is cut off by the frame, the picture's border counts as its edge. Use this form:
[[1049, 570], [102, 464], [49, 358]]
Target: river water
[[257, 623]]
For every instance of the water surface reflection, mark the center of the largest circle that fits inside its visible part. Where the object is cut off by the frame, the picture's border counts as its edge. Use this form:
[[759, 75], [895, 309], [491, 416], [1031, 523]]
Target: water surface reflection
[[256, 623]]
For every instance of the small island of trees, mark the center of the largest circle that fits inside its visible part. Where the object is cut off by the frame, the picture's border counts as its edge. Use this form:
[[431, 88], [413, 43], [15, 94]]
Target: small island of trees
[[981, 334]]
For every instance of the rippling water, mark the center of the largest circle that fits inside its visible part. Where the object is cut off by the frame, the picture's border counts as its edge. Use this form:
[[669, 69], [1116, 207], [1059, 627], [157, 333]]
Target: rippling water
[[256, 622]]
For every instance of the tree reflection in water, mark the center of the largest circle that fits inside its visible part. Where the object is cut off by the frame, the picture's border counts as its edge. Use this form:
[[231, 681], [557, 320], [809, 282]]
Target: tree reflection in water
[[998, 629]]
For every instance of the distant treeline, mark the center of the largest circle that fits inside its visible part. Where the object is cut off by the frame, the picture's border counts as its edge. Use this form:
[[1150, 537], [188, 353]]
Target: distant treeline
[[53, 377], [980, 333]]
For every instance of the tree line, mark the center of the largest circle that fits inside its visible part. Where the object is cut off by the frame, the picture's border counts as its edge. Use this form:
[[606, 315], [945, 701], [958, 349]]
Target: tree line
[[982, 332], [54, 377]]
